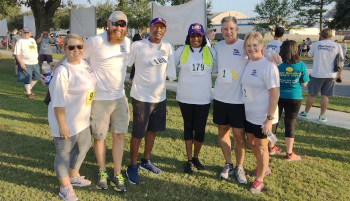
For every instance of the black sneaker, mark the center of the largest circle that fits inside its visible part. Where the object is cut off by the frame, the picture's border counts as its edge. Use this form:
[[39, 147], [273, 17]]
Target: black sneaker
[[197, 164], [102, 179], [188, 167], [118, 183], [148, 166]]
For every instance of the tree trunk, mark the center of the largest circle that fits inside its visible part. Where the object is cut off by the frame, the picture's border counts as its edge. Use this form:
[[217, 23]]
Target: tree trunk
[[321, 16], [43, 14]]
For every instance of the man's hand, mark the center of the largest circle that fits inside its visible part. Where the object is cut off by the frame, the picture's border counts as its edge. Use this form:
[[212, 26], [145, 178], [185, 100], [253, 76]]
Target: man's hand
[[23, 66], [64, 132]]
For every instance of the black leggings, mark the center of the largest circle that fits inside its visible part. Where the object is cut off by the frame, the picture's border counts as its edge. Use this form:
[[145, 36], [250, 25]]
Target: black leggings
[[195, 119], [291, 109]]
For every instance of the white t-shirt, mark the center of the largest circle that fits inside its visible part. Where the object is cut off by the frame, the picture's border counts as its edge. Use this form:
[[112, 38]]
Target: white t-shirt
[[324, 53], [274, 45], [108, 62], [259, 76], [70, 88], [231, 61], [27, 50], [153, 62], [195, 80]]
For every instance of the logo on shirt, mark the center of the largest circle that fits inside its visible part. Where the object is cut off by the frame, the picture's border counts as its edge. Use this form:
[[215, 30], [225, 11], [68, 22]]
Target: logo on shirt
[[254, 73], [89, 69], [122, 49], [289, 69], [164, 53], [271, 47], [329, 48], [236, 52]]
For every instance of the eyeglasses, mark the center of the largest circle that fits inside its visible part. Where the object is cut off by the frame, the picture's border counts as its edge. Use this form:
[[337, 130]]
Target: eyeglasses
[[116, 24], [72, 47]]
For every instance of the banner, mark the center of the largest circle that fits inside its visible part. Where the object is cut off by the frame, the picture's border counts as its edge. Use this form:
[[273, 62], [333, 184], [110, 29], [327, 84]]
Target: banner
[[29, 21], [83, 22], [3, 27], [179, 18]]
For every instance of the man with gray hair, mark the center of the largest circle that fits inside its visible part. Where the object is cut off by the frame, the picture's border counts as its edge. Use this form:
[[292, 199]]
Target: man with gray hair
[[228, 98], [107, 54]]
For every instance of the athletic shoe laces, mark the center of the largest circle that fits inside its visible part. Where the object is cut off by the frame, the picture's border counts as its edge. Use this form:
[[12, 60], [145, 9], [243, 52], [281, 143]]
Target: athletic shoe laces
[[120, 179], [103, 176]]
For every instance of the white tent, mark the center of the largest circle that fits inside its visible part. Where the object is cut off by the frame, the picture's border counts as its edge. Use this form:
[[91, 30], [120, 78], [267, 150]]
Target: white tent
[[179, 18], [3, 27], [83, 22], [29, 21]]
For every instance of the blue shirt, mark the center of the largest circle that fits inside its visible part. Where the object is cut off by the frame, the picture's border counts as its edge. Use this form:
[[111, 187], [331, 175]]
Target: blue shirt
[[291, 77]]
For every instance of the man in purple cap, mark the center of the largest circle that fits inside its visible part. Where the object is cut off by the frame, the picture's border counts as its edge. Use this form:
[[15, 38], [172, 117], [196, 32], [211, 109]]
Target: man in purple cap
[[154, 60]]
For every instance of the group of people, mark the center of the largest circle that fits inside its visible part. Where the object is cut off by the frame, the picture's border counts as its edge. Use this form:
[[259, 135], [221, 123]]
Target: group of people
[[88, 96]]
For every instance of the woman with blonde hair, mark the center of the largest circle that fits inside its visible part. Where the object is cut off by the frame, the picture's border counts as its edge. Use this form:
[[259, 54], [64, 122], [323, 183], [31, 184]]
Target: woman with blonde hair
[[71, 90], [260, 85]]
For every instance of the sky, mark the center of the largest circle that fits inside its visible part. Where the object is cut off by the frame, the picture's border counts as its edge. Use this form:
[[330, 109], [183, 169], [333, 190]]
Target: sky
[[218, 5]]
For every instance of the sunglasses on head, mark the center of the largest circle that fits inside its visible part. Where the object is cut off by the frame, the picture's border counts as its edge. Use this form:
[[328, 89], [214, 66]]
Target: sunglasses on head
[[116, 24], [72, 47]]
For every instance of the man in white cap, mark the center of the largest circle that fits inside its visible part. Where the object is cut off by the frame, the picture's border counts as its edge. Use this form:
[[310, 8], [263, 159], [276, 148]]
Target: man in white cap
[[210, 35], [26, 54], [107, 54], [154, 60]]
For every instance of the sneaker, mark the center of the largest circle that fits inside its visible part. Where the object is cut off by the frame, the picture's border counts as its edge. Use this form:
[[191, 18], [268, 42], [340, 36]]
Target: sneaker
[[303, 115], [79, 181], [102, 179], [133, 174], [267, 173], [188, 167], [30, 96], [198, 164], [227, 172], [322, 118], [292, 157], [148, 166], [118, 183], [274, 150], [240, 175], [67, 194], [257, 186]]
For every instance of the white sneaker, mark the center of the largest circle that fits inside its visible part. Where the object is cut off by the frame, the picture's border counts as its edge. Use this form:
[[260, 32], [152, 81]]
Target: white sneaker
[[227, 172], [79, 181], [67, 194], [303, 115], [322, 118], [240, 175]]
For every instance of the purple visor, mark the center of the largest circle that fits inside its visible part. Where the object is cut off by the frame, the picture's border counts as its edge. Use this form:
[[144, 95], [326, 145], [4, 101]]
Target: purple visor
[[161, 20], [196, 28]]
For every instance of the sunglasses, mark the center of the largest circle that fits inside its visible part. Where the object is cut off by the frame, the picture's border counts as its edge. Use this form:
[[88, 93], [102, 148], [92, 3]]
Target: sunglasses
[[116, 24], [72, 47]]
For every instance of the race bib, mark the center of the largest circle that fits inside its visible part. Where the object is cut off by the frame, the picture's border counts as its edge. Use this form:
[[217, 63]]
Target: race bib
[[248, 95], [225, 76], [158, 61], [197, 69], [89, 97]]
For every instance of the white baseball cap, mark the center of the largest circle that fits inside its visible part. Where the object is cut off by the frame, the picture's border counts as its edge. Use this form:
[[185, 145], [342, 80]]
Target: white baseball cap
[[118, 15]]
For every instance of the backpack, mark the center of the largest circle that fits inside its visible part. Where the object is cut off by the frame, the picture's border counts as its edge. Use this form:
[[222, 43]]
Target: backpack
[[47, 98]]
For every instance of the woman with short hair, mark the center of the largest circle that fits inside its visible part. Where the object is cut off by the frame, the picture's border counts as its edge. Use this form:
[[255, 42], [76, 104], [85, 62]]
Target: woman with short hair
[[260, 85], [71, 89]]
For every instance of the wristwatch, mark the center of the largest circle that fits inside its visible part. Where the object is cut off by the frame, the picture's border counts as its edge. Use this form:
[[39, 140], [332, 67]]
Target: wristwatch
[[270, 117]]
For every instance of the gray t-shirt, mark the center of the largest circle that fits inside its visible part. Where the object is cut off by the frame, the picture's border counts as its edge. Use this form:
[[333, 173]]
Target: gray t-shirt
[[45, 46]]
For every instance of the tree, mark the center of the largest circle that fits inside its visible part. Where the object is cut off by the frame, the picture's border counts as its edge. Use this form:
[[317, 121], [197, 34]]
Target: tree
[[309, 12], [342, 15], [273, 13], [103, 10]]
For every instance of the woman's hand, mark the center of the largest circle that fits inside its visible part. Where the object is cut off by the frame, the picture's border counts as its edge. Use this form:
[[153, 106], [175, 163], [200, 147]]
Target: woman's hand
[[267, 127], [64, 132]]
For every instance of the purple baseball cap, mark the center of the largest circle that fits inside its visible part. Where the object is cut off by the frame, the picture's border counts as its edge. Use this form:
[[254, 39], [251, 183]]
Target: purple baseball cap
[[196, 28], [161, 20]]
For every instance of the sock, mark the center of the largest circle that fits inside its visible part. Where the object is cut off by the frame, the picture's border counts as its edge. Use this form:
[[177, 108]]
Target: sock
[[27, 88], [32, 84]]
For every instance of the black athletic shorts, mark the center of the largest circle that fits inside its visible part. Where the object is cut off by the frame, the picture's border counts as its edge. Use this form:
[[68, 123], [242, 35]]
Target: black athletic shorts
[[254, 129], [148, 117], [226, 113]]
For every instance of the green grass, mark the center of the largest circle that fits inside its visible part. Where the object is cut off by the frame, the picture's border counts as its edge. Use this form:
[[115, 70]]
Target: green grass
[[27, 153], [337, 103]]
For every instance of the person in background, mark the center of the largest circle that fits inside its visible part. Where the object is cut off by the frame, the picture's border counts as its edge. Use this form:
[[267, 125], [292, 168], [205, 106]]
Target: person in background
[[45, 51], [71, 90], [322, 77], [260, 86], [274, 45], [210, 35], [308, 44], [26, 54], [196, 62], [14, 41], [293, 76], [345, 49], [136, 37]]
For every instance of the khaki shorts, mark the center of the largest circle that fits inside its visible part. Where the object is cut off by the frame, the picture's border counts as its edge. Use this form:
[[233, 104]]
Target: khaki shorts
[[109, 115]]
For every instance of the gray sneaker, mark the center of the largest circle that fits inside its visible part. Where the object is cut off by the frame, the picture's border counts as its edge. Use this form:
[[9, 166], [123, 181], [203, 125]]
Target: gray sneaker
[[303, 115], [79, 181], [227, 172], [240, 175], [102, 179], [67, 194]]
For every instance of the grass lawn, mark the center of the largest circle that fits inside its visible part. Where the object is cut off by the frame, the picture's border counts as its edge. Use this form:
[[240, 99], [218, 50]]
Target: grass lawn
[[27, 152], [337, 103]]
